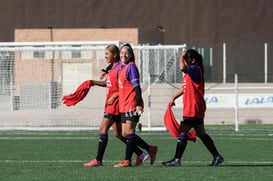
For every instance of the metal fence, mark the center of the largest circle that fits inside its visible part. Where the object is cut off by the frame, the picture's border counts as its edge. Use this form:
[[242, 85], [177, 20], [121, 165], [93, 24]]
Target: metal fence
[[35, 76]]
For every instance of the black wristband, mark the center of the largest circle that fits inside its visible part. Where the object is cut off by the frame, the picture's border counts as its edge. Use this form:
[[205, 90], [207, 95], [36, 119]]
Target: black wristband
[[103, 70]]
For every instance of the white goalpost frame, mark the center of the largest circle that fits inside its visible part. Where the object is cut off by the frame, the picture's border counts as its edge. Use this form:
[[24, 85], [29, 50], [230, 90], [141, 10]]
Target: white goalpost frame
[[54, 46], [157, 47], [67, 46], [58, 43]]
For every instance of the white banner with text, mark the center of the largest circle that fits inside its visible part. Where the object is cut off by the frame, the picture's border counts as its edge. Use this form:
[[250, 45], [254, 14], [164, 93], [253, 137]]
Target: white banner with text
[[229, 100]]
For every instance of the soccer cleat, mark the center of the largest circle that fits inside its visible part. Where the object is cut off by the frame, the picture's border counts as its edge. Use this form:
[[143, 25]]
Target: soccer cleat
[[124, 163], [141, 158], [152, 153], [217, 160], [93, 163], [172, 163]]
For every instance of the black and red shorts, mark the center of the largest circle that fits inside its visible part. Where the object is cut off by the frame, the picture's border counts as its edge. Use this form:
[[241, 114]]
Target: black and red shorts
[[192, 121], [114, 117], [131, 116]]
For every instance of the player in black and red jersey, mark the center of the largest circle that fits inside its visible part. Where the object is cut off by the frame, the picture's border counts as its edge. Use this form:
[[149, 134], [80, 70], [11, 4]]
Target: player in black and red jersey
[[194, 107], [111, 111], [131, 106]]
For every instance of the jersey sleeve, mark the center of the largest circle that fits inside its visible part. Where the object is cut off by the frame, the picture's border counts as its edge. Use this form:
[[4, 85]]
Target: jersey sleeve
[[194, 73], [132, 75]]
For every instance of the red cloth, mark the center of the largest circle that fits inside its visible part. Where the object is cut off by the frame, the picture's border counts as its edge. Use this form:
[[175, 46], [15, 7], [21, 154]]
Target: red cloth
[[79, 94], [173, 127]]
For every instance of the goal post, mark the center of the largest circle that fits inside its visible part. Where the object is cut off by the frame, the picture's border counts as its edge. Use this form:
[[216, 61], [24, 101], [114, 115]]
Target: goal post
[[36, 75]]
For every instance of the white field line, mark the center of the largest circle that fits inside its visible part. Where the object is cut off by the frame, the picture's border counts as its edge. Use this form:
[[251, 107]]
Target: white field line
[[245, 138], [41, 133], [96, 138], [159, 161], [142, 134], [48, 138], [92, 136]]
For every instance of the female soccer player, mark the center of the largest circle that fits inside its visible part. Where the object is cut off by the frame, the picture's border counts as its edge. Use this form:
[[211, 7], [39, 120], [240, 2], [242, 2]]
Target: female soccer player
[[130, 105], [111, 111], [194, 107]]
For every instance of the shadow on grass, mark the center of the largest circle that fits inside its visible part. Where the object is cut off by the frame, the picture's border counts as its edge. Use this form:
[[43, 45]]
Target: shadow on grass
[[246, 165]]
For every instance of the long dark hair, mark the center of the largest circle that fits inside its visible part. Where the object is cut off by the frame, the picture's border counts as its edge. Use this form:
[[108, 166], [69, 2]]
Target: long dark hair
[[193, 54], [128, 46]]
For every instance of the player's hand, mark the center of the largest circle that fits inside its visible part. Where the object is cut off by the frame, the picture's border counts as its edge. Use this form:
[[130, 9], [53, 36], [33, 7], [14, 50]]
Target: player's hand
[[184, 52], [171, 102], [102, 75], [139, 110], [110, 101]]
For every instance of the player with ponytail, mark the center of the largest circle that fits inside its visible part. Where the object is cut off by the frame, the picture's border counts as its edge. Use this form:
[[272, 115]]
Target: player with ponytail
[[194, 107], [131, 107], [111, 116]]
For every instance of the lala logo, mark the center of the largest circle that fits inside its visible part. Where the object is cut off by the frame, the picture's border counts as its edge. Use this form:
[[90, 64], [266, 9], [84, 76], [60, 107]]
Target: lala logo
[[259, 100]]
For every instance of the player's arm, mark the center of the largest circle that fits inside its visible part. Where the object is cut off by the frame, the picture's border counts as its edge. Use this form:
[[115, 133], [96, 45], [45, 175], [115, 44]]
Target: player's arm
[[105, 71], [178, 94], [111, 99], [133, 77], [137, 90], [99, 83], [182, 64], [139, 108]]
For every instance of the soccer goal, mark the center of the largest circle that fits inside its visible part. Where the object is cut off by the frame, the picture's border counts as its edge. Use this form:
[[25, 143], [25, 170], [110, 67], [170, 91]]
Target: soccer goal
[[36, 75]]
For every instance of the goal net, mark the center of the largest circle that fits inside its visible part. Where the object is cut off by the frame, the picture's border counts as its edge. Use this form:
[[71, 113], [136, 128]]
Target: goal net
[[35, 76]]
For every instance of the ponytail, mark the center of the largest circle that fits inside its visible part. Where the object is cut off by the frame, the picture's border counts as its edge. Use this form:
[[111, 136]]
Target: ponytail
[[193, 54]]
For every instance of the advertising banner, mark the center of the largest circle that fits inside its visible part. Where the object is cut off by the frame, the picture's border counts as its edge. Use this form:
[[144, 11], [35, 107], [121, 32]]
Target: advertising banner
[[229, 101]]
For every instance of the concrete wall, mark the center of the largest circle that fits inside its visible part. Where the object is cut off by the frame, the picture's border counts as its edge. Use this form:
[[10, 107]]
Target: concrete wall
[[129, 35], [193, 22]]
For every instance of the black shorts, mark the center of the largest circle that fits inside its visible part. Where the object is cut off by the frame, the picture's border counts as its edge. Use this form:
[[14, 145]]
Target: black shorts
[[131, 116], [192, 121], [114, 117]]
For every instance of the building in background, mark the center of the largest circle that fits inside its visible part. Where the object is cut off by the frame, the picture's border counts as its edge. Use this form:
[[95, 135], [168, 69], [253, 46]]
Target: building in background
[[243, 25]]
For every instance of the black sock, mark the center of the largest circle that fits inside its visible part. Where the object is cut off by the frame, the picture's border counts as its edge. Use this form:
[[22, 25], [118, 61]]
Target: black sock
[[181, 145], [102, 145], [130, 146], [141, 143], [137, 150], [208, 142], [123, 140]]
